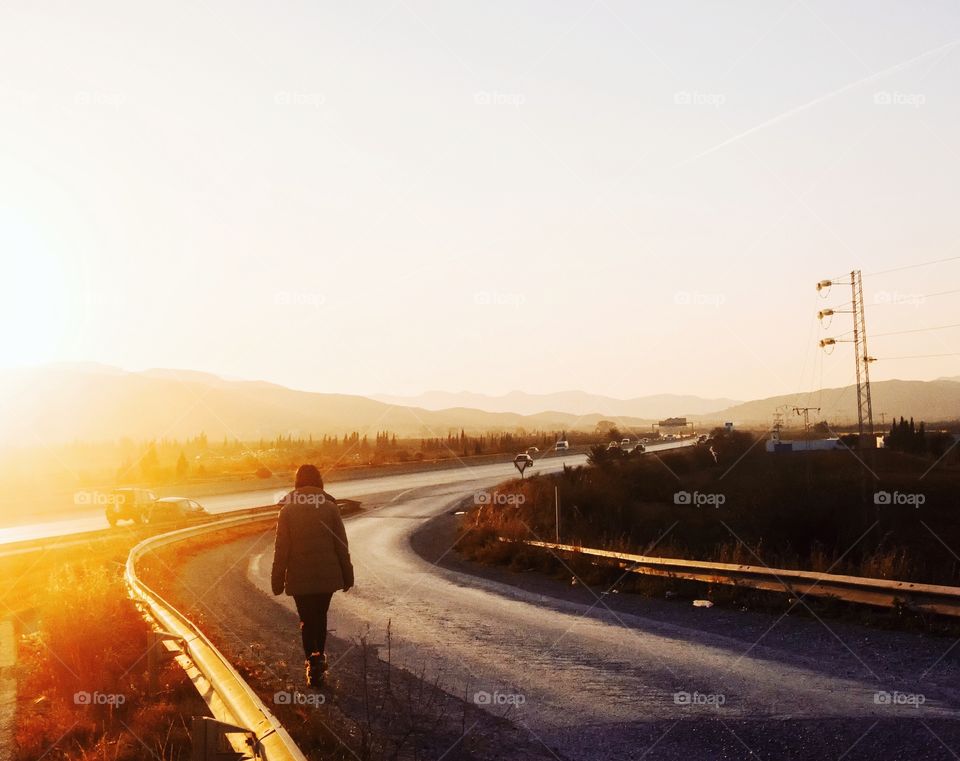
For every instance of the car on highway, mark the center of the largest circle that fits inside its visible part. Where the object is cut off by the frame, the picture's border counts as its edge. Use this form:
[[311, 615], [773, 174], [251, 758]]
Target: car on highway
[[613, 445], [626, 442], [523, 457], [129, 504], [562, 446], [175, 509], [639, 448], [532, 450]]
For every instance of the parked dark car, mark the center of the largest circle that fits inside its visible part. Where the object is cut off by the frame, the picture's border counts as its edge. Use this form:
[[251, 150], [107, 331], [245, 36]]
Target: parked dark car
[[130, 505]]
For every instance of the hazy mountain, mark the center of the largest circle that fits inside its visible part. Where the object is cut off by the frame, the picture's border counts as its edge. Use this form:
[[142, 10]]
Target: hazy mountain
[[90, 402], [576, 402], [937, 400], [86, 402]]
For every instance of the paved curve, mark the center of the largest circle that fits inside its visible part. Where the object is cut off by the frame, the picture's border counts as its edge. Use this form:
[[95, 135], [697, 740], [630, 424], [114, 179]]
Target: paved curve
[[91, 519], [590, 679]]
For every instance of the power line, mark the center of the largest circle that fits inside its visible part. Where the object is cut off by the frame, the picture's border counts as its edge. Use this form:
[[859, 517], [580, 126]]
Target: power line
[[921, 356], [912, 296], [917, 330], [913, 266]]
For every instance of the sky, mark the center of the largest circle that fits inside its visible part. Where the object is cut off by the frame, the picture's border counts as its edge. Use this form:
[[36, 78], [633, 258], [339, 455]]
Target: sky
[[622, 197]]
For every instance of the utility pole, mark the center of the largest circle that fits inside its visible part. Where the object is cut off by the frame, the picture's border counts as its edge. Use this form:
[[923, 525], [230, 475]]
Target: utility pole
[[805, 411], [864, 403], [777, 422], [861, 357]]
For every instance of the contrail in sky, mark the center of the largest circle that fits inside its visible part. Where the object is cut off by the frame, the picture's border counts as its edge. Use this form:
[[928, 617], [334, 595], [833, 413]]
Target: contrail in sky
[[816, 101]]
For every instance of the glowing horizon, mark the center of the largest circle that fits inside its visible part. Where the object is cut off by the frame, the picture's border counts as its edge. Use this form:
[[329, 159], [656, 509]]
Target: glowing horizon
[[392, 199]]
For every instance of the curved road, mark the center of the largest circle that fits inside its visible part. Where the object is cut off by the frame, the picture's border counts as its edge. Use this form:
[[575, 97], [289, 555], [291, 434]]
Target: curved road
[[92, 519], [600, 684]]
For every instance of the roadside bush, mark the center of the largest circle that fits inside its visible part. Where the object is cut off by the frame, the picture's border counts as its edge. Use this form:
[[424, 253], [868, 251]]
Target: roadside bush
[[82, 678], [731, 501]]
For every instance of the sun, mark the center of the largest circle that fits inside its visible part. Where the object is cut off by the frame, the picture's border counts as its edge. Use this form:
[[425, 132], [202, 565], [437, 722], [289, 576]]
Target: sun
[[39, 307]]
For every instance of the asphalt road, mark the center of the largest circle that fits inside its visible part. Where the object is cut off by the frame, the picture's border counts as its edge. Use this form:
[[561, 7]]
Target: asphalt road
[[92, 518], [596, 682]]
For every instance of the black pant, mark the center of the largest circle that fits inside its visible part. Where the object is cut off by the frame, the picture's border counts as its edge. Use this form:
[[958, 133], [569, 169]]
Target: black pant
[[312, 610]]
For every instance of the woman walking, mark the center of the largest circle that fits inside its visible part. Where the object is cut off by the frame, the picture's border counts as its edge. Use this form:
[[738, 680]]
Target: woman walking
[[311, 561]]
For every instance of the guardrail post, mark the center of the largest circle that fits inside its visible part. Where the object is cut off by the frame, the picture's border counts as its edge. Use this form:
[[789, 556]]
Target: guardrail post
[[209, 740], [155, 641]]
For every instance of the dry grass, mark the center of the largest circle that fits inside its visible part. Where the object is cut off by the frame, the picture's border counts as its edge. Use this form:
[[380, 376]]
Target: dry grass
[[82, 677], [808, 512]]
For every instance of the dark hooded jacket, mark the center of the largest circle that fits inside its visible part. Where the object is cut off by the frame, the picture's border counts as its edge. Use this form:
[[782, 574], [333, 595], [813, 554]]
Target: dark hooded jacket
[[310, 554]]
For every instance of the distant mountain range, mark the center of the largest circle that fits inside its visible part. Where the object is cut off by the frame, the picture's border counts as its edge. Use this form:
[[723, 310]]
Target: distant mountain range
[[937, 400], [575, 402], [90, 402]]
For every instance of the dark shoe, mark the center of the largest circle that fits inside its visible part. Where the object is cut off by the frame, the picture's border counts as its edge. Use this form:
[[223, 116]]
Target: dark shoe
[[313, 676], [316, 665]]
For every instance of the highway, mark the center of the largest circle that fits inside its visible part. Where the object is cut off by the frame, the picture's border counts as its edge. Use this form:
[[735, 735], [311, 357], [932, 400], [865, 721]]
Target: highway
[[92, 518], [88, 519]]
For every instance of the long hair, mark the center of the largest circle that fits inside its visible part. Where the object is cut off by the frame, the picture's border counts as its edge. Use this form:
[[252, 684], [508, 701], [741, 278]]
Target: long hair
[[308, 475]]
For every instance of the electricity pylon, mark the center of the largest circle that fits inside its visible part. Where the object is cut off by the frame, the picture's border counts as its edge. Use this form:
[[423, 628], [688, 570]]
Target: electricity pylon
[[864, 402], [861, 357], [805, 411]]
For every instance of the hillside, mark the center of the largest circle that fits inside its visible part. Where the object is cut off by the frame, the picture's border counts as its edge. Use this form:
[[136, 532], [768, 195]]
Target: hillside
[[937, 400], [88, 402], [655, 407], [94, 403]]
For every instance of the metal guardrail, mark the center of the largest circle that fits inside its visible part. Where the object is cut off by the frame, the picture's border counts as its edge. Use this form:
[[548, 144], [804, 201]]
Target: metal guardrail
[[254, 731], [884, 593], [62, 541]]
